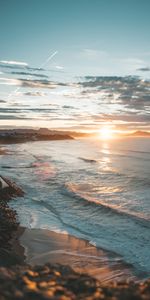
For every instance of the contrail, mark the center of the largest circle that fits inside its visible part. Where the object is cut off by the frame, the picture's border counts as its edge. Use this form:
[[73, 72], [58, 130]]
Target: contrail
[[48, 59], [42, 65]]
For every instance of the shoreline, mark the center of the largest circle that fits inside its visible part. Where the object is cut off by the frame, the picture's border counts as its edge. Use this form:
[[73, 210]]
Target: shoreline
[[46, 246], [9, 229], [19, 280]]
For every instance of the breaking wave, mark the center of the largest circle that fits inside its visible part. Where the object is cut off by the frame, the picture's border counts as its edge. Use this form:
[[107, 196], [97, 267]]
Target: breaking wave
[[71, 191]]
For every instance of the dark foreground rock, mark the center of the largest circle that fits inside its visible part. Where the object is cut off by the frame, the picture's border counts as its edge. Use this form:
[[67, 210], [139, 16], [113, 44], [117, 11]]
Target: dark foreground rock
[[9, 227], [59, 282]]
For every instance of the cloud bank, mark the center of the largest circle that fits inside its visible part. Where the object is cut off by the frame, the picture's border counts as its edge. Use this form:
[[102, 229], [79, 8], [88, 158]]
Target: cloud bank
[[89, 102]]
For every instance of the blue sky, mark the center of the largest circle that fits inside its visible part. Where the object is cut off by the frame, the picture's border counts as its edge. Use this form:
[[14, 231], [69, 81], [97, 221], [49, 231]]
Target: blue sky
[[71, 40], [92, 37]]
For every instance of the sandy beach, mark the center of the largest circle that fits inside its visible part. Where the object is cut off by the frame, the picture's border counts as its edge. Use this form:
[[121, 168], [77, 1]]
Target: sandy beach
[[44, 246]]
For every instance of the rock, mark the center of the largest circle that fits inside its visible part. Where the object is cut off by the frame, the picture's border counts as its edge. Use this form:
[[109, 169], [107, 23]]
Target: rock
[[20, 282]]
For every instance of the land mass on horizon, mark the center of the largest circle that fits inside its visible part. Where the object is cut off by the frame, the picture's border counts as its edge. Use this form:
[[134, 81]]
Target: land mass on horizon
[[140, 133], [22, 135], [8, 136]]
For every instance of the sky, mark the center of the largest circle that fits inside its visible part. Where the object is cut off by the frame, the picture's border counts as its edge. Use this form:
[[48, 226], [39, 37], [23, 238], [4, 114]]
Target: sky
[[75, 64]]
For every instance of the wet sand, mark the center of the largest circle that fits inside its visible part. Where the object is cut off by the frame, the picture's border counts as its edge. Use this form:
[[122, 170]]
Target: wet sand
[[57, 280], [44, 246]]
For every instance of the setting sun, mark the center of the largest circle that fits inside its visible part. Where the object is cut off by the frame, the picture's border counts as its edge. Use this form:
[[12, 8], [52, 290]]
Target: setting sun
[[106, 132]]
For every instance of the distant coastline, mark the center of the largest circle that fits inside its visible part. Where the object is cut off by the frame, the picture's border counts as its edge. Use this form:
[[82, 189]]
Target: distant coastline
[[8, 136], [23, 135], [140, 134]]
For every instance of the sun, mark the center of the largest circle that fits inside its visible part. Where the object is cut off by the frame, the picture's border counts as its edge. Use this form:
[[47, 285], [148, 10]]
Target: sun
[[106, 133]]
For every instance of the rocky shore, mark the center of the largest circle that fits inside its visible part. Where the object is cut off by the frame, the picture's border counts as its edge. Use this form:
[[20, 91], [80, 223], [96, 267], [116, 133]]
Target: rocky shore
[[9, 227], [21, 281], [62, 283], [13, 136]]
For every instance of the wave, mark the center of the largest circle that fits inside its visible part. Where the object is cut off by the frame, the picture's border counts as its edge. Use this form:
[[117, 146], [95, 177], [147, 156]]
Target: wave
[[136, 180], [70, 190], [135, 151], [113, 174], [18, 167], [55, 212], [88, 160], [129, 156]]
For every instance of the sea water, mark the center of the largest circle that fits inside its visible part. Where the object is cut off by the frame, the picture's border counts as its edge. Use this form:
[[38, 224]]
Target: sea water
[[93, 189]]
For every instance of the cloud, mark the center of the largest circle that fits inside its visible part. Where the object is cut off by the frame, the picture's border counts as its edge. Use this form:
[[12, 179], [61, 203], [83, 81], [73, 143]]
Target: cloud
[[2, 101], [93, 53], [125, 117], [9, 81], [29, 74], [59, 67], [14, 63], [68, 107], [16, 110], [35, 94], [18, 65], [122, 101], [28, 70], [144, 69], [40, 83], [122, 121], [129, 91], [32, 83], [29, 113], [11, 117]]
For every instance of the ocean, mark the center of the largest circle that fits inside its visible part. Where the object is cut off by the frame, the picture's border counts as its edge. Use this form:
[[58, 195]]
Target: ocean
[[97, 190]]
